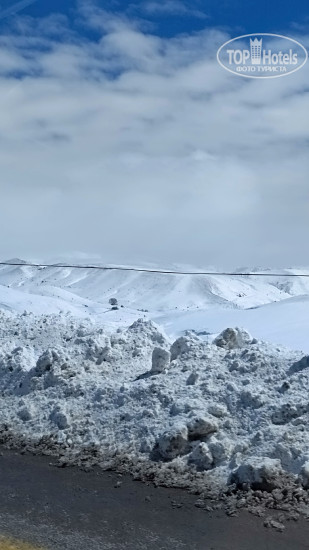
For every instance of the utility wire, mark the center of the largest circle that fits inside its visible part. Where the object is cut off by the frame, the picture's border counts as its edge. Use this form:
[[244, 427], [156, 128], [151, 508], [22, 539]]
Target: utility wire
[[168, 272]]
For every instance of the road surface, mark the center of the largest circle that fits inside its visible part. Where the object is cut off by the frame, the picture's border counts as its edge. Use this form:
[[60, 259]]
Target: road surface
[[65, 508]]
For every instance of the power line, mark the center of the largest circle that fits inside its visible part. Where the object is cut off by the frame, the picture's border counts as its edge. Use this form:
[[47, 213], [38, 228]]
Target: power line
[[144, 270]]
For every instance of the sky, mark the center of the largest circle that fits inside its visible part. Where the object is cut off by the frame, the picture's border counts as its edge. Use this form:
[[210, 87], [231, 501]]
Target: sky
[[122, 138]]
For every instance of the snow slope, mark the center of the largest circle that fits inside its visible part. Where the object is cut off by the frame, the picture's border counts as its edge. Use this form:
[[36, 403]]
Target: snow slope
[[285, 322]]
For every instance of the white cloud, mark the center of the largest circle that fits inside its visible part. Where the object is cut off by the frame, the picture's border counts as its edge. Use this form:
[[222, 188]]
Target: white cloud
[[135, 146]]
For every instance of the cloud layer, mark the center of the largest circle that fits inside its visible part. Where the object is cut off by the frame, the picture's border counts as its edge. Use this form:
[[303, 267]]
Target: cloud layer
[[137, 147]]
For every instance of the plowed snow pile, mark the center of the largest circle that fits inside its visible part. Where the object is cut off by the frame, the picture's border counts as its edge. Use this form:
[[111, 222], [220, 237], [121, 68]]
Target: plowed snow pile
[[185, 413]]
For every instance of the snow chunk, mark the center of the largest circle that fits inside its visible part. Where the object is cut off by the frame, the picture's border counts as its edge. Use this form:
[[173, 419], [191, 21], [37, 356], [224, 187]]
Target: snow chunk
[[304, 475], [192, 379], [259, 473], [249, 398], [300, 365], [147, 331], [185, 345], [217, 410], [45, 362], [232, 338], [173, 443], [59, 418], [288, 412], [160, 360], [201, 457], [220, 449], [25, 413], [201, 426], [100, 353]]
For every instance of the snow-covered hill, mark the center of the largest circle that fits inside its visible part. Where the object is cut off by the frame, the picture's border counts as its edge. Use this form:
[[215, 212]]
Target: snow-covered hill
[[274, 308]]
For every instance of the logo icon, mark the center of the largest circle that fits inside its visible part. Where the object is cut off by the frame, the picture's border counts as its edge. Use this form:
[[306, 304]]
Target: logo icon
[[256, 51], [262, 55]]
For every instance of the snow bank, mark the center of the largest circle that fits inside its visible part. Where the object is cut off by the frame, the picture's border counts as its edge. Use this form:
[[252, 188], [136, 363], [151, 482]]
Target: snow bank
[[235, 411]]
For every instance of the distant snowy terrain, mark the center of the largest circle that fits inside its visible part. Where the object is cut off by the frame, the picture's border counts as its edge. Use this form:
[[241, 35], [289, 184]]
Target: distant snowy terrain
[[273, 308]]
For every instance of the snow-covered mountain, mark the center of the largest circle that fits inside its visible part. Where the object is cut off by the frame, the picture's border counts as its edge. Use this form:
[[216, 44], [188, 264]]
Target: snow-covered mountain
[[272, 307]]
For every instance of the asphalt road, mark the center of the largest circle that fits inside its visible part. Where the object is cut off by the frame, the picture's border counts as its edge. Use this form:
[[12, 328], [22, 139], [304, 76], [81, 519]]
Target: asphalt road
[[67, 508]]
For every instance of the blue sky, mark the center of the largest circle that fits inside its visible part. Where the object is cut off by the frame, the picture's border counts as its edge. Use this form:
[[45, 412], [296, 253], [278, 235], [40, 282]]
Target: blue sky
[[122, 136], [175, 16], [172, 17]]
